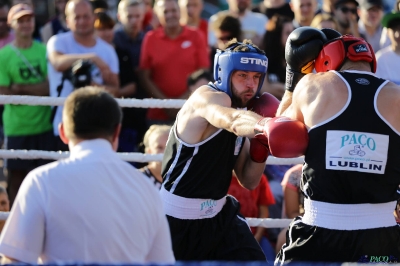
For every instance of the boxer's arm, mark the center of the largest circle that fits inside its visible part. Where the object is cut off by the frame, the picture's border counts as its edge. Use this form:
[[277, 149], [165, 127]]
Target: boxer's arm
[[293, 103], [285, 103], [248, 172], [215, 107]]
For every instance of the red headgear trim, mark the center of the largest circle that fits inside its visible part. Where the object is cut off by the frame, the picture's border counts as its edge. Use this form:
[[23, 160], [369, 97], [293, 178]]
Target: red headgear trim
[[334, 53]]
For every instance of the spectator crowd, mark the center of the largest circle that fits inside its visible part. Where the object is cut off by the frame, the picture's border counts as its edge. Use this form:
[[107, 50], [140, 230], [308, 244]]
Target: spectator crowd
[[164, 50]]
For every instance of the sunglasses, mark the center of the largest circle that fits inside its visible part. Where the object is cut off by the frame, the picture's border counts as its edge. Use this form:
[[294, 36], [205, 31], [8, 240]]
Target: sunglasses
[[345, 9], [225, 38]]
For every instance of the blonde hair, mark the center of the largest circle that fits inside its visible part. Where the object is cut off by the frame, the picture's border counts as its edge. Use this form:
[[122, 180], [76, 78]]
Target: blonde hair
[[154, 129]]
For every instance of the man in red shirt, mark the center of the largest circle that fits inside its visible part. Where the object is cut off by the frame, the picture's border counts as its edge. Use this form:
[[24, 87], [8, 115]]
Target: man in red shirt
[[169, 55]]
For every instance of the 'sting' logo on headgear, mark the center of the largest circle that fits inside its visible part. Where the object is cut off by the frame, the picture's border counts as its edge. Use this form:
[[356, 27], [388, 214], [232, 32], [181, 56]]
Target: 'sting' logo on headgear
[[257, 61], [360, 48]]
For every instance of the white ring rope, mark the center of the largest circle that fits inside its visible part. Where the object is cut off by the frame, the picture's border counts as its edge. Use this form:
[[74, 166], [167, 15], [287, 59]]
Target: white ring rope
[[52, 101], [56, 155], [269, 222], [126, 156], [266, 223]]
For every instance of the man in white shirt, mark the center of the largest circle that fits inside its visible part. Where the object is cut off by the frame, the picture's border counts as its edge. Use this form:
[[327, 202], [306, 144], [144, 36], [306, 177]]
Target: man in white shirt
[[91, 207], [253, 24], [371, 13], [388, 59], [80, 43]]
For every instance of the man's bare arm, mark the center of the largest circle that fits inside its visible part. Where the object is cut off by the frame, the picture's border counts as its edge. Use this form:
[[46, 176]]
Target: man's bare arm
[[128, 90], [112, 84], [263, 213], [285, 103], [248, 172], [148, 84], [62, 62], [38, 89], [4, 90], [292, 102], [216, 108]]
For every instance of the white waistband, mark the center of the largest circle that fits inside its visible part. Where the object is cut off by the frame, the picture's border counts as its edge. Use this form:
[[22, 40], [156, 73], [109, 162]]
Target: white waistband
[[348, 216], [190, 209]]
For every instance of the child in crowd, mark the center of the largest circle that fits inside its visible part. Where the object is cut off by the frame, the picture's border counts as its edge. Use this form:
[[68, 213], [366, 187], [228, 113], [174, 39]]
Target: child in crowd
[[154, 142]]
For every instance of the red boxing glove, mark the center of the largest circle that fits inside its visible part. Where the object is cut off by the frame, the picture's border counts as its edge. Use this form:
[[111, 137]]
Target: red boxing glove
[[259, 149], [285, 138], [265, 105]]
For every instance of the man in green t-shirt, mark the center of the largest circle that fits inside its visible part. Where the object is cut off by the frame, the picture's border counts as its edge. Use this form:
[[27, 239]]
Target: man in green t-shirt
[[24, 72]]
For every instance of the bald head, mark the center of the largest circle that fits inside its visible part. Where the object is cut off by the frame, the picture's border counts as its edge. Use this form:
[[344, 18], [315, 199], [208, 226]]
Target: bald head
[[72, 4], [80, 17]]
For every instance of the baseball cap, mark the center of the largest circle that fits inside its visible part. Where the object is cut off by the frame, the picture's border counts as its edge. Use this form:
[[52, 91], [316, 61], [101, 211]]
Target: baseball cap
[[389, 18], [19, 11], [367, 4], [341, 2]]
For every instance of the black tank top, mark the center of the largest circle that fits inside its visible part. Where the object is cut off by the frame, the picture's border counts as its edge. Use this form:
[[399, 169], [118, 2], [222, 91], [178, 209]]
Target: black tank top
[[202, 170], [354, 157]]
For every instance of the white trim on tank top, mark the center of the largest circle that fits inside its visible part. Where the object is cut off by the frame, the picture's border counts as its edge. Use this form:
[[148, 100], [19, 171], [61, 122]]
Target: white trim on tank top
[[377, 111]]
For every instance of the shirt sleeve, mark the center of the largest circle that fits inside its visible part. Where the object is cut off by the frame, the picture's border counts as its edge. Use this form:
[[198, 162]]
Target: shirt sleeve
[[56, 44], [23, 235]]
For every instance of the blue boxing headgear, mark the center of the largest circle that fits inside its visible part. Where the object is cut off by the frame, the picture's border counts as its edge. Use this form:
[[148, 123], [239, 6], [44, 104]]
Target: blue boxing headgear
[[248, 59]]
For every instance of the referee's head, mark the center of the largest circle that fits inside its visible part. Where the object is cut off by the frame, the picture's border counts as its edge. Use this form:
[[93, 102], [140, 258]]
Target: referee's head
[[90, 113]]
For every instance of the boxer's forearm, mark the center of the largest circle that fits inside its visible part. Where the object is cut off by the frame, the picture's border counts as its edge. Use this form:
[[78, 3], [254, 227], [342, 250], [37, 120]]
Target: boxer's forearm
[[285, 103]]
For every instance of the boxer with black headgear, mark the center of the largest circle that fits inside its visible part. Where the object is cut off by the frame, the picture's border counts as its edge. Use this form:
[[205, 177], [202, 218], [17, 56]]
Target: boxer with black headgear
[[351, 172], [207, 141]]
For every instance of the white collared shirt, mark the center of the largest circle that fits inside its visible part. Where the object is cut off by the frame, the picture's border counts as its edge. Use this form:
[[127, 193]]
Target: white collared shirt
[[90, 208]]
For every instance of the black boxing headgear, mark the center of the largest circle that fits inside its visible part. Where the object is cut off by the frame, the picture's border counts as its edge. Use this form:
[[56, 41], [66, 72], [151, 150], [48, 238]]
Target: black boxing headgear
[[334, 53]]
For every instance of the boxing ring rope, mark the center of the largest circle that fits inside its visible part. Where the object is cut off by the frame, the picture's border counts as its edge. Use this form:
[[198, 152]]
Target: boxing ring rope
[[53, 101], [126, 156], [266, 223], [132, 157]]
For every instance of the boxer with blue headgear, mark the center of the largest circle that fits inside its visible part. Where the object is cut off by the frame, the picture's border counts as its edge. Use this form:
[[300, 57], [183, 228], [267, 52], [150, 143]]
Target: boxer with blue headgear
[[238, 56], [210, 139]]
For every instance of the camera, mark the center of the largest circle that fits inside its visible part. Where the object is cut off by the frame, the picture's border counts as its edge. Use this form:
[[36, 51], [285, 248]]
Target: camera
[[80, 73]]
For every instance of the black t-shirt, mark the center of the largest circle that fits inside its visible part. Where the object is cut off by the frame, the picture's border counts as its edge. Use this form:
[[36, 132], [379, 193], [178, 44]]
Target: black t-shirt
[[134, 118]]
